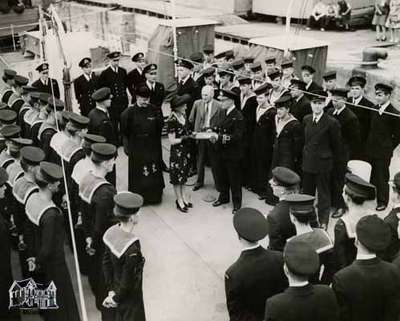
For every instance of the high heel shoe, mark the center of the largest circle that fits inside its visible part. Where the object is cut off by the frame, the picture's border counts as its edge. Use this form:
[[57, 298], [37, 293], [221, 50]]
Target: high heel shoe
[[182, 209], [188, 204]]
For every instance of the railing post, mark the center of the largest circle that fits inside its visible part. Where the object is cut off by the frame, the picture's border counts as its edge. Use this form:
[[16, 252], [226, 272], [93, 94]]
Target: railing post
[[13, 39]]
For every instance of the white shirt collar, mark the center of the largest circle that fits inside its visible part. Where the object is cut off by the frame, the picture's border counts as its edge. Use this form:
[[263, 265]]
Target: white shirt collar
[[102, 109], [298, 284], [357, 100], [383, 107], [230, 109], [184, 80], [337, 112], [365, 256], [150, 85], [87, 77], [317, 118], [251, 247]]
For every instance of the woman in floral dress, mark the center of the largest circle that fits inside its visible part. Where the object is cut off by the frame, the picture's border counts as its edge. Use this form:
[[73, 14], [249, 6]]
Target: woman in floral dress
[[178, 134]]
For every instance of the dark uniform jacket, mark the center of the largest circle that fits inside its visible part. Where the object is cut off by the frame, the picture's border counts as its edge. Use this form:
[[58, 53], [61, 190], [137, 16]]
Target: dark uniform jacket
[[313, 87], [300, 108], [305, 303], [47, 88], [248, 111], [134, 79], [256, 276], [350, 130], [321, 143], [157, 94], [231, 127], [117, 82], [188, 87], [288, 146], [368, 290], [83, 92], [384, 134], [280, 228], [364, 119], [100, 124], [393, 221]]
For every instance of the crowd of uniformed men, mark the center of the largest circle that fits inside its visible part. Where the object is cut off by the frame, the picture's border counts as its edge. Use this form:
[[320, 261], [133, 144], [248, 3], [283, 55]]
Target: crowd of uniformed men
[[259, 126]]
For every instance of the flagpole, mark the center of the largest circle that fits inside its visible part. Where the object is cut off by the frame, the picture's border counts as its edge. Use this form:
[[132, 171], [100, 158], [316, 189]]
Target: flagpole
[[174, 36]]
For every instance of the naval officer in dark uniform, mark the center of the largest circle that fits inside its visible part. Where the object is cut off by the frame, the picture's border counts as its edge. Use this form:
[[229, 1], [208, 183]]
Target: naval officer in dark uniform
[[115, 78], [298, 302], [84, 86], [229, 145], [123, 260], [383, 138], [369, 289], [136, 76], [350, 140], [300, 106], [358, 102], [257, 274], [44, 83], [307, 74], [322, 143]]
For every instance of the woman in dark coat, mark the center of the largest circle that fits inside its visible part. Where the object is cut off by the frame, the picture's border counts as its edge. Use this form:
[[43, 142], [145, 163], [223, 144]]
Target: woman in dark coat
[[288, 144], [123, 261], [178, 133], [141, 126], [50, 256], [6, 278], [262, 143]]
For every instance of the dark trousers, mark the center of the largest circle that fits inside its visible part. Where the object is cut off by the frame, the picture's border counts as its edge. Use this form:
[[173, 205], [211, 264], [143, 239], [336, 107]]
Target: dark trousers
[[228, 174], [337, 185], [323, 22], [206, 151], [380, 178], [319, 182]]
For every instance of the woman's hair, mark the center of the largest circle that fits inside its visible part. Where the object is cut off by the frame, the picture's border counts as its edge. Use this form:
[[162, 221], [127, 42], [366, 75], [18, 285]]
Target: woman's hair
[[354, 198]]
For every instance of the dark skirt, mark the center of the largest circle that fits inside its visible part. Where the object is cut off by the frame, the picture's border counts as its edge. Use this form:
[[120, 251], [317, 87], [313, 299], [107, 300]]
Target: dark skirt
[[179, 161]]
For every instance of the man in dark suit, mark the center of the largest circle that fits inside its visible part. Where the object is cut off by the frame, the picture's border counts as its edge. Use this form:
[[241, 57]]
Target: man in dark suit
[[136, 76], [321, 149], [44, 83], [369, 289], [383, 138], [357, 102], [85, 85], [229, 145], [284, 182], [302, 301], [257, 274], [157, 90], [205, 114], [301, 105], [350, 131], [115, 78], [307, 74]]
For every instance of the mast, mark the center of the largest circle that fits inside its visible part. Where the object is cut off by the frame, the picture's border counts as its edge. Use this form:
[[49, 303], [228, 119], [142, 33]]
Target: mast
[[175, 48], [287, 29]]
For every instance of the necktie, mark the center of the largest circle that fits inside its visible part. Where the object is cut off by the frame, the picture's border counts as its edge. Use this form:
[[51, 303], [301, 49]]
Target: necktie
[[315, 121]]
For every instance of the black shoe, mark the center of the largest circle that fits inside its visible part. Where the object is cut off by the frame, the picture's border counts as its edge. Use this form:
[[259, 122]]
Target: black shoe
[[218, 203], [197, 187], [182, 209], [189, 204], [235, 209], [381, 207]]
